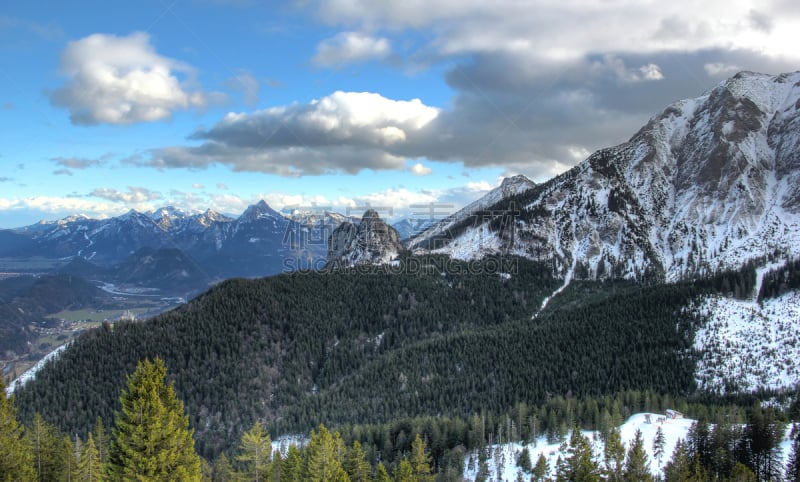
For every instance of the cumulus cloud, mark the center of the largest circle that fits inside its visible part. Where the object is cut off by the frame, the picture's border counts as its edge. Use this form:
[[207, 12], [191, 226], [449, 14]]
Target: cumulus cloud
[[122, 80], [351, 47], [134, 195], [342, 132]]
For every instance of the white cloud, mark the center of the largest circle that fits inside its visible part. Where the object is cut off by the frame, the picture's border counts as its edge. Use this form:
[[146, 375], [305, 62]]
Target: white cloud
[[122, 80], [61, 206], [342, 132], [419, 170], [197, 185], [572, 29], [134, 195], [351, 47], [719, 68]]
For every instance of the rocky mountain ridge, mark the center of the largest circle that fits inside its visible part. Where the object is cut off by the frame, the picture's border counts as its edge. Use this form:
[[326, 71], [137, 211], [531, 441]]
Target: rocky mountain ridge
[[372, 241], [707, 184]]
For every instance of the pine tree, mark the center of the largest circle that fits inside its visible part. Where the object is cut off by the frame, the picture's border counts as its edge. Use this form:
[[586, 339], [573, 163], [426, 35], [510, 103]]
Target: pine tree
[[324, 456], [524, 460], [421, 461], [356, 464], [46, 442], [741, 473], [578, 466], [404, 472], [16, 456], [292, 466], [658, 445], [255, 452], [483, 467], [381, 475], [614, 454], [637, 467], [678, 469], [793, 467], [101, 439], [223, 470], [151, 436], [90, 467], [539, 472]]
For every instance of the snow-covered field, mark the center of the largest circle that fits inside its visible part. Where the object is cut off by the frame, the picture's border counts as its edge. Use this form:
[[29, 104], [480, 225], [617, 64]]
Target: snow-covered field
[[507, 454], [745, 346]]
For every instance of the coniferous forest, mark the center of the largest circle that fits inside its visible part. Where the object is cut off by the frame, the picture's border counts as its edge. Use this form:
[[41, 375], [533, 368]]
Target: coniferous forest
[[405, 366]]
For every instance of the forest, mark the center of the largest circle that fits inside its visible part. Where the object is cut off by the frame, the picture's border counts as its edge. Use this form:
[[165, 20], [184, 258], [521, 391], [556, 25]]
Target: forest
[[385, 354]]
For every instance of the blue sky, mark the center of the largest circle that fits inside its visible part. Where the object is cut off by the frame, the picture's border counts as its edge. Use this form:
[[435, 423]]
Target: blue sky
[[111, 106]]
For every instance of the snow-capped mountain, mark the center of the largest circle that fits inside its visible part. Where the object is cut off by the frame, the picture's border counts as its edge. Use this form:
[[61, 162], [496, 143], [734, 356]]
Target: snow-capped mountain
[[257, 243], [708, 183], [471, 214], [372, 241]]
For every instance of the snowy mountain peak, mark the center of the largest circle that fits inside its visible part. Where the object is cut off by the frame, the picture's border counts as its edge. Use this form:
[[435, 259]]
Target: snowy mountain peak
[[708, 183]]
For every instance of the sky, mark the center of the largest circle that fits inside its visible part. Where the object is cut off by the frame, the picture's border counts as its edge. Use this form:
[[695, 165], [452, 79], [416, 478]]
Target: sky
[[198, 104]]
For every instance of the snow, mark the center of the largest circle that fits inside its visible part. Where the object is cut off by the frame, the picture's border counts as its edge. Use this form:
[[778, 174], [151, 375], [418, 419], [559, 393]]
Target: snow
[[673, 429], [745, 345], [31, 373]]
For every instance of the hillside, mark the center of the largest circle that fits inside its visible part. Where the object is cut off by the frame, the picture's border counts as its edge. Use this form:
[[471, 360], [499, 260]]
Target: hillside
[[31, 300], [374, 346]]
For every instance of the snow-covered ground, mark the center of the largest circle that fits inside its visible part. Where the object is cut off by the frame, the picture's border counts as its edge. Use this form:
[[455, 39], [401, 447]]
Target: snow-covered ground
[[745, 345], [31, 373], [507, 454]]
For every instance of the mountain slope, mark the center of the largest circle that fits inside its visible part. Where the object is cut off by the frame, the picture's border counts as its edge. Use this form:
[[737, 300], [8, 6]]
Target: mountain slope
[[707, 184]]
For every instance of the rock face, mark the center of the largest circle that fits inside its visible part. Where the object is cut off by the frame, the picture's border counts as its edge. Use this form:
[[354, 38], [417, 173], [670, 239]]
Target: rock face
[[372, 241], [709, 183]]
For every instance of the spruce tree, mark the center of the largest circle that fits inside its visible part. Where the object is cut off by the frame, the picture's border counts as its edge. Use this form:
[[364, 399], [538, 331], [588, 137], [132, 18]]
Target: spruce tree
[[292, 467], [16, 456], [421, 461], [793, 467], [324, 456], [679, 468], [151, 436], [90, 467], [658, 445], [539, 472], [381, 475], [223, 470], [404, 472], [614, 454], [255, 452], [637, 467], [524, 460], [356, 464], [578, 466], [101, 439]]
